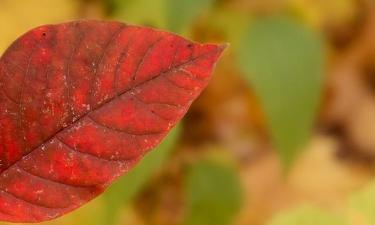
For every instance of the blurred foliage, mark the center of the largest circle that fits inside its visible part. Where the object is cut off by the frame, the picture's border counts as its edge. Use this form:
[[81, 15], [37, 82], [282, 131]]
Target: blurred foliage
[[231, 23], [318, 12], [359, 210], [175, 16], [139, 12], [364, 203], [306, 215], [180, 14], [213, 194], [284, 63]]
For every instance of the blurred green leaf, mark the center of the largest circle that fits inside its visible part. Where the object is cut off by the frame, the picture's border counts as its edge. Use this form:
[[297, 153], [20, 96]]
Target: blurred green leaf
[[284, 61], [231, 23], [364, 202], [111, 5], [181, 13], [129, 185], [213, 194], [306, 215], [169, 14], [140, 12]]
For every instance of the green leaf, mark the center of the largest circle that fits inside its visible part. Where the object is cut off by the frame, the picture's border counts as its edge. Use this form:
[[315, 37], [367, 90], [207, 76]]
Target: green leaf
[[140, 12], [122, 191], [213, 194], [306, 215], [180, 13], [283, 62], [364, 202], [230, 23], [168, 14]]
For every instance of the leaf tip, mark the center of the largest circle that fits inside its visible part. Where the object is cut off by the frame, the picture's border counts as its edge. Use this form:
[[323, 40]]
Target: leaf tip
[[224, 46]]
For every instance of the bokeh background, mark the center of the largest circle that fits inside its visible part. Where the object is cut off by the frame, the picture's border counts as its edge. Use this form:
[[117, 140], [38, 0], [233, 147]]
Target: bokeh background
[[283, 135]]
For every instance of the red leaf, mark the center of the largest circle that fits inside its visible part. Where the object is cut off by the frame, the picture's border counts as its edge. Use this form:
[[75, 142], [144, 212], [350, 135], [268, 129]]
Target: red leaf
[[81, 103]]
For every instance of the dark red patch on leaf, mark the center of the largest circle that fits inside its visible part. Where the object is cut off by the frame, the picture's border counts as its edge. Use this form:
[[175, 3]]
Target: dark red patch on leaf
[[81, 103]]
